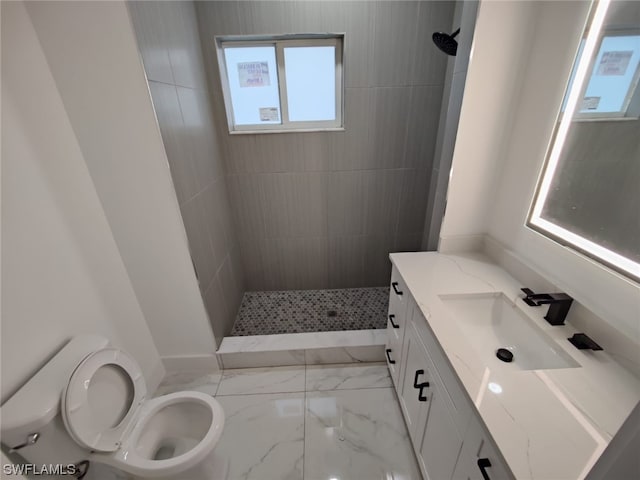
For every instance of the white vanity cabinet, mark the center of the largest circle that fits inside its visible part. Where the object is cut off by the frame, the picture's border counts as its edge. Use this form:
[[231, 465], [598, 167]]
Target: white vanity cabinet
[[479, 459], [399, 298], [447, 438], [427, 410]]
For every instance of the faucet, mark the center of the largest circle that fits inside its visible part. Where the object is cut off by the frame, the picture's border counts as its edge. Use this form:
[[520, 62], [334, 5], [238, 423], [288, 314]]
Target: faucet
[[559, 304]]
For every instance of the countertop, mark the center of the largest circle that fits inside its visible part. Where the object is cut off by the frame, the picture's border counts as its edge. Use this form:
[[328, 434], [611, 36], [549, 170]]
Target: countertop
[[548, 424]]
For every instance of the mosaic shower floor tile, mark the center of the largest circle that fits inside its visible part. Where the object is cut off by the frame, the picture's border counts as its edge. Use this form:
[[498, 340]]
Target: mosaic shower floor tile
[[297, 311]]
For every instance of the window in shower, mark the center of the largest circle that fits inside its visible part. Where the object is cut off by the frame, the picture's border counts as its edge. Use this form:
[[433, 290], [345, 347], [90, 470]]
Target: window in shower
[[276, 84]]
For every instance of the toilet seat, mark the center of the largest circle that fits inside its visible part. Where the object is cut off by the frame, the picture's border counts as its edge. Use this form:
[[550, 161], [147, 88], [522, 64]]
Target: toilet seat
[[78, 412], [128, 457]]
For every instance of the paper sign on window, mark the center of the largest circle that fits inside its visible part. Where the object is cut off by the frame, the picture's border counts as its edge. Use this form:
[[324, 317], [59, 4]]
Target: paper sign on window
[[614, 63], [253, 74], [269, 114]]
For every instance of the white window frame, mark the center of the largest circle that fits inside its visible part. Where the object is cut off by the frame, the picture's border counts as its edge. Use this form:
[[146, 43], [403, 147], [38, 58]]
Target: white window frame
[[280, 42]]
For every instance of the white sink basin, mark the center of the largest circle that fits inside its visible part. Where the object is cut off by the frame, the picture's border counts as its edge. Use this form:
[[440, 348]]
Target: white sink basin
[[491, 321]]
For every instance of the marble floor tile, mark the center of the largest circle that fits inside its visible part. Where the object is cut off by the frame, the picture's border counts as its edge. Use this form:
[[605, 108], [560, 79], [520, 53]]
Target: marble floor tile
[[349, 376], [356, 435], [198, 381], [262, 380], [263, 437]]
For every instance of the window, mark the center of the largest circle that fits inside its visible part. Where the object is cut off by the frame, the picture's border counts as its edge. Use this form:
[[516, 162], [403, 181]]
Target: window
[[588, 196], [274, 84]]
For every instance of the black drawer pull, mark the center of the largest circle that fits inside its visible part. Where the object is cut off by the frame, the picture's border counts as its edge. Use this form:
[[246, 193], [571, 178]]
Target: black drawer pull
[[483, 464], [420, 386], [394, 325], [395, 288], [388, 351]]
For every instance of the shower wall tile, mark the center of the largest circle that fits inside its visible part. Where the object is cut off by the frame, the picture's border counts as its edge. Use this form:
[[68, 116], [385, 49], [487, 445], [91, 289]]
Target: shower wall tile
[[295, 204], [294, 263], [184, 52], [152, 26], [200, 134], [413, 201], [356, 18], [348, 195], [351, 149], [377, 266], [410, 242], [169, 115], [238, 273], [430, 62], [273, 17], [220, 315], [423, 122], [364, 201], [346, 261], [253, 262], [395, 28], [194, 216], [212, 220], [246, 204], [231, 289], [388, 125]]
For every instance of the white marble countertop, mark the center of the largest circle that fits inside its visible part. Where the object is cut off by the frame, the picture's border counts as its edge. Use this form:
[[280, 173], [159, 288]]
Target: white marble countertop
[[548, 424]]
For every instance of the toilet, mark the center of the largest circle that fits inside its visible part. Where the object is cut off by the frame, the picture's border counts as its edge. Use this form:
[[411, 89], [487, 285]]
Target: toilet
[[89, 403]]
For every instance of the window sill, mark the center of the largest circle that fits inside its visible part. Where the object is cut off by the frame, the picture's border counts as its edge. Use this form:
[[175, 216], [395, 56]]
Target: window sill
[[291, 130]]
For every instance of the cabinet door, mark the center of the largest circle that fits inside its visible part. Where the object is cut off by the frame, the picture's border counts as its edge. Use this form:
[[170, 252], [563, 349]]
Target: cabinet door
[[441, 442], [413, 399], [478, 458]]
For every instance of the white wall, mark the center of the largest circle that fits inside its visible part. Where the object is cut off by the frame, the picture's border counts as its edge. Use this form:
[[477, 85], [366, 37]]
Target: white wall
[[62, 273], [93, 55], [502, 143]]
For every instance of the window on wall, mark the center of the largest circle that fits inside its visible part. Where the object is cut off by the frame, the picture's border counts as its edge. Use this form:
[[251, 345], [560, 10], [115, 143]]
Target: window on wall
[[275, 84]]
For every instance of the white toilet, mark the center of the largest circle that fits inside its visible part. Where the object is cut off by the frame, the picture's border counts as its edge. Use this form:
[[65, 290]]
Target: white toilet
[[89, 403]]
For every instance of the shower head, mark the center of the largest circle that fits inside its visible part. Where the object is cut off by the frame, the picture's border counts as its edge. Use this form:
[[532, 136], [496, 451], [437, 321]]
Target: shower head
[[446, 42]]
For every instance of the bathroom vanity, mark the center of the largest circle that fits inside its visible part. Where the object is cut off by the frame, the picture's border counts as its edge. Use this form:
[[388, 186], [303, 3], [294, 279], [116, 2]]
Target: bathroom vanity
[[549, 413]]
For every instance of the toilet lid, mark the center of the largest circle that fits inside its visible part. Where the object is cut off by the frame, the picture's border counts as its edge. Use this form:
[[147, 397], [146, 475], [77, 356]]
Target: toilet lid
[[101, 400]]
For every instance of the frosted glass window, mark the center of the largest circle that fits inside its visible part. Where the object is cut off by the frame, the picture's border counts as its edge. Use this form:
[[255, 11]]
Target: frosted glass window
[[252, 75], [311, 83], [282, 83]]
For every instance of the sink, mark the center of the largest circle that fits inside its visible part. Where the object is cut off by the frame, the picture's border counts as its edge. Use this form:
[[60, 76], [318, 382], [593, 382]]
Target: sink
[[491, 321]]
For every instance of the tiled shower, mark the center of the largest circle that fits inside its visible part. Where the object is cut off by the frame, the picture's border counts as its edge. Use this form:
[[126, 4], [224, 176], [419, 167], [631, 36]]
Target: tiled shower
[[302, 219]]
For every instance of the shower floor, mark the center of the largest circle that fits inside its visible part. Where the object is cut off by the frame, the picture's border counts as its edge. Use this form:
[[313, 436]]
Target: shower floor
[[299, 311]]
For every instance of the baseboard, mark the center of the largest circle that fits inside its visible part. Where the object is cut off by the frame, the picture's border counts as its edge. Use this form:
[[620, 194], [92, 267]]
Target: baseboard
[[190, 363]]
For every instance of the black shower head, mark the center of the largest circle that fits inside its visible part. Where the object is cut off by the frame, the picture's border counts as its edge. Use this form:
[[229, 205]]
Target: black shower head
[[446, 42]]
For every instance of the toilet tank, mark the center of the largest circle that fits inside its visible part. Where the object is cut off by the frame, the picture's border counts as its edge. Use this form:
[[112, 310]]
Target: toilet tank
[[35, 407]]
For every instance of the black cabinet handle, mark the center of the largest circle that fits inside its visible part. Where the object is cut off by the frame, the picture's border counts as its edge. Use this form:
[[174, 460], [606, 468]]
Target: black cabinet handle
[[420, 386], [483, 464], [394, 325], [395, 288], [388, 351]]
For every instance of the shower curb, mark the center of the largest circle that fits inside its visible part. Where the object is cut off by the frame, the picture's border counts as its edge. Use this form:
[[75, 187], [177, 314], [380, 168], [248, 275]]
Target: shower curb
[[316, 348]]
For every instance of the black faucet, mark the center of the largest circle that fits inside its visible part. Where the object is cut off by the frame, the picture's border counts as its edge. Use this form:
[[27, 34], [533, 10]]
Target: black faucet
[[559, 304]]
